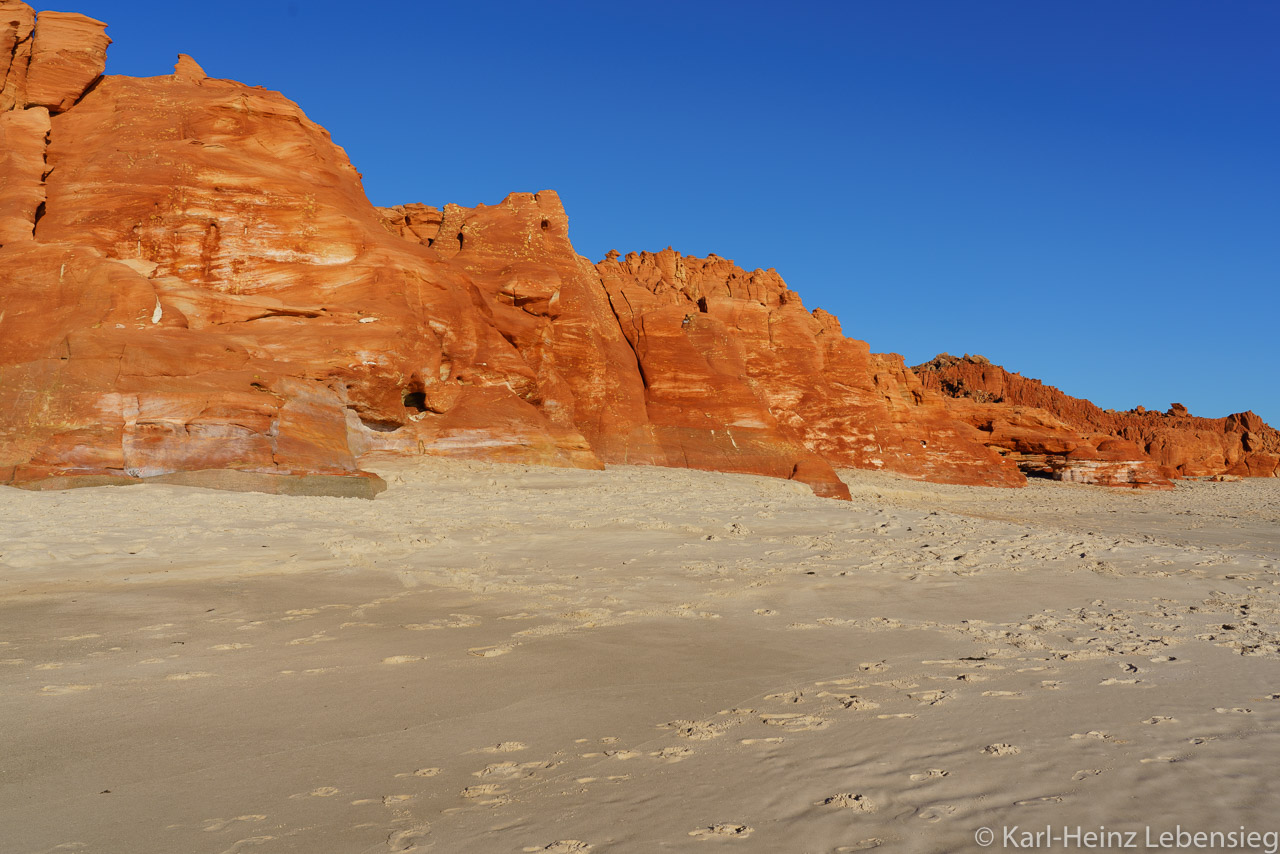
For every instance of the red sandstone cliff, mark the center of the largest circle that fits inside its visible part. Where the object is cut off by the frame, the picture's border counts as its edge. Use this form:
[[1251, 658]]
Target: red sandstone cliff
[[195, 288], [1179, 443]]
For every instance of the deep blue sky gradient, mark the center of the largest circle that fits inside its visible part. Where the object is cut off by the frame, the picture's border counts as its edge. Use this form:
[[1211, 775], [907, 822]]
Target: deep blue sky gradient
[[1085, 191]]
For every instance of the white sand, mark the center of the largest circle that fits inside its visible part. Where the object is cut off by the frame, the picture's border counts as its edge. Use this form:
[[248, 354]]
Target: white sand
[[503, 659]]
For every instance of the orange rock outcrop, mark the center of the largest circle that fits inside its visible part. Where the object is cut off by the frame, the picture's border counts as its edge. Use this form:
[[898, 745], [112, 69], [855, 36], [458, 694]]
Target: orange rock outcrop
[[1173, 443], [48, 60], [197, 290]]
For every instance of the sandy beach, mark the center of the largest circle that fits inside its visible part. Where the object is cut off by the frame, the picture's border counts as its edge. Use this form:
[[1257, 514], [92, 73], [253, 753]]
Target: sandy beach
[[500, 658]]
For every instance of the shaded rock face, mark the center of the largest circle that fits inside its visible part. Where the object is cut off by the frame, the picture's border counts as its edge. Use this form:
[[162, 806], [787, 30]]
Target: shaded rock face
[[1175, 443]]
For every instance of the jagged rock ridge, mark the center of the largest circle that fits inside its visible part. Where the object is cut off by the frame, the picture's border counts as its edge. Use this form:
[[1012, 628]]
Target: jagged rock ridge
[[1014, 410]]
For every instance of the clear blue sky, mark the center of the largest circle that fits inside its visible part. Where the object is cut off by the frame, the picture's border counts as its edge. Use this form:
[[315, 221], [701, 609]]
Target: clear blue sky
[[1085, 191]]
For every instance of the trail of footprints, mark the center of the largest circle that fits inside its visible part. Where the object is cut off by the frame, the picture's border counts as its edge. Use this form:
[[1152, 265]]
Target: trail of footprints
[[1049, 641], [1044, 642]]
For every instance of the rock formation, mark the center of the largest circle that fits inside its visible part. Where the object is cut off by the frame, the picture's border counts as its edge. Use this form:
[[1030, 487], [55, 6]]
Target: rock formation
[[48, 60], [196, 289], [1011, 409]]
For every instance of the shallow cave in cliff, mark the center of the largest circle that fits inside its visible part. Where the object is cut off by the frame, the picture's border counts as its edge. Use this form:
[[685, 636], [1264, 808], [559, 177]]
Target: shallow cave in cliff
[[415, 401], [379, 425]]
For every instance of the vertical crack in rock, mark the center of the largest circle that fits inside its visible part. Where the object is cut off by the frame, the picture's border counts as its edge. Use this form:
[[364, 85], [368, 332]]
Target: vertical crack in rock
[[613, 308], [24, 146], [20, 27]]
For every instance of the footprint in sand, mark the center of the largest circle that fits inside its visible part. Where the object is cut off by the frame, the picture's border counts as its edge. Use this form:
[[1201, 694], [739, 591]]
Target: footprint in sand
[[935, 812], [697, 730], [861, 845], [561, 846], [1094, 733], [623, 754], [318, 637], [930, 698], [322, 792], [406, 841], [855, 703], [794, 721], [787, 697], [512, 770], [53, 690], [1237, 711], [1002, 693], [421, 772], [490, 651], [402, 659], [241, 844], [183, 677], [777, 739], [848, 801], [765, 612], [214, 825], [490, 792], [1085, 774], [1159, 759], [672, 754], [901, 684], [1039, 802], [902, 715], [722, 831], [1160, 719], [1001, 750], [930, 774], [842, 683], [502, 747], [873, 667], [227, 646]]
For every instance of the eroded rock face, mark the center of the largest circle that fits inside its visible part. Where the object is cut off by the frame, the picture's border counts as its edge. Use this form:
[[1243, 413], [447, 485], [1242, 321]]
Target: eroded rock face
[[209, 288], [17, 26], [194, 288], [1043, 445], [553, 306], [23, 137], [48, 60], [727, 354], [1177, 443]]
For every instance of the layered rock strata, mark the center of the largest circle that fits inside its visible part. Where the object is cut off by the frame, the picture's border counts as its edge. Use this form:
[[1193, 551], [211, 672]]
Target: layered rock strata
[[196, 289], [1175, 443]]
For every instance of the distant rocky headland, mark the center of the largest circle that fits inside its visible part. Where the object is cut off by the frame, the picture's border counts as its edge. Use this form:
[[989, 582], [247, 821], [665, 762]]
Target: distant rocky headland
[[196, 289]]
